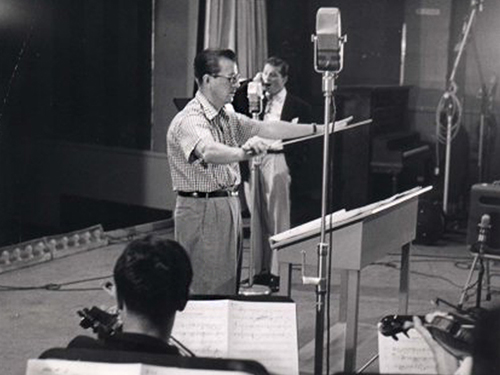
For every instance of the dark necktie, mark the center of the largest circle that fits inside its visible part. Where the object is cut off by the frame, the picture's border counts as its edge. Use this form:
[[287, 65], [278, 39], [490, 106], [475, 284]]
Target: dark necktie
[[266, 106]]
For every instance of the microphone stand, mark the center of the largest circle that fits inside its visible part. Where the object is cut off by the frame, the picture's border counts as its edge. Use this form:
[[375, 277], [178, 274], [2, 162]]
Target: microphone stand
[[252, 289], [324, 253], [322, 281], [452, 103]]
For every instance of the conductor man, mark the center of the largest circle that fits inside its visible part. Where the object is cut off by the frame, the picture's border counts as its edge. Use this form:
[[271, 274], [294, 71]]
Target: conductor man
[[205, 143]]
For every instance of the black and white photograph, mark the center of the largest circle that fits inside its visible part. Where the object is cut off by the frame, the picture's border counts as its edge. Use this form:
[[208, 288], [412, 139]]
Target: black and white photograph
[[258, 187]]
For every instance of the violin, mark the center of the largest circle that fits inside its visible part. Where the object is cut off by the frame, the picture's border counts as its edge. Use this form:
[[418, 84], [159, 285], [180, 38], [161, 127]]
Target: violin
[[452, 331]]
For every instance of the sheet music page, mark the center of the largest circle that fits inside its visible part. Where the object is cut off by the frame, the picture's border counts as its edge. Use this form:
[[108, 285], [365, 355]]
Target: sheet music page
[[65, 367], [265, 332], [343, 216], [203, 327], [408, 355], [310, 226], [386, 203]]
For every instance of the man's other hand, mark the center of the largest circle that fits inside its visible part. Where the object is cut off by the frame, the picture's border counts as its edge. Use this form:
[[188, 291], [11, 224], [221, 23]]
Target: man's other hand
[[256, 146]]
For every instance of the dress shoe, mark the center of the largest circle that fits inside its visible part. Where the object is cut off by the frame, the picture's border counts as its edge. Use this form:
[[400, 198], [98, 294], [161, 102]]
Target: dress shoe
[[272, 281]]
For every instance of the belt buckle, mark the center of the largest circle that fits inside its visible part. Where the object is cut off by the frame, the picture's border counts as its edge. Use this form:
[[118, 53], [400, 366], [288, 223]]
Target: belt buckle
[[195, 194], [231, 191]]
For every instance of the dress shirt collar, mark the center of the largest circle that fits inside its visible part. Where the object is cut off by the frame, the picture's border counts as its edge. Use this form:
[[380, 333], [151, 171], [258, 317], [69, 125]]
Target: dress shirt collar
[[208, 108], [279, 97]]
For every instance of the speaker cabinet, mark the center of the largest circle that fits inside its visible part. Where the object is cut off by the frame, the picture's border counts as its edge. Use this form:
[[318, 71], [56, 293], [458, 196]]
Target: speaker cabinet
[[484, 199]]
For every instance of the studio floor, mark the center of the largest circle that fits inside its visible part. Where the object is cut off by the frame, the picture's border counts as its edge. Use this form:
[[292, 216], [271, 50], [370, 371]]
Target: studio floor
[[34, 317]]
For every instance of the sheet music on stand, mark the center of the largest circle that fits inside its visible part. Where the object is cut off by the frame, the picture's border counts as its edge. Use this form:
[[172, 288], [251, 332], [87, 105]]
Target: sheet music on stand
[[408, 355], [340, 125], [342, 217], [264, 331], [66, 367]]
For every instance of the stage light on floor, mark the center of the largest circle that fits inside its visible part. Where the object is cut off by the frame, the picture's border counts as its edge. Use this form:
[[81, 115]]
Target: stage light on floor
[[75, 239], [5, 257], [64, 243], [48, 248], [51, 246], [86, 237], [27, 252], [15, 255]]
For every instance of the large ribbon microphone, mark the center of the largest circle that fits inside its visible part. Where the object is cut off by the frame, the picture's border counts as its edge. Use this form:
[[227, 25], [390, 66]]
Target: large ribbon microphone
[[328, 51], [255, 95], [328, 43]]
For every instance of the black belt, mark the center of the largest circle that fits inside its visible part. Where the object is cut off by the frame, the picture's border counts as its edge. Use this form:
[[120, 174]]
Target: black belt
[[211, 194], [275, 151]]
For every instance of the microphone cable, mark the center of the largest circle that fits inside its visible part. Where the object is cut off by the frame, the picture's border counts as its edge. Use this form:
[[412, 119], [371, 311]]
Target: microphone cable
[[449, 102], [56, 287]]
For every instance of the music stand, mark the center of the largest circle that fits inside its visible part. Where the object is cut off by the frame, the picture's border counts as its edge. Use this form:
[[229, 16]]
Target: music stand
[[360, 237]]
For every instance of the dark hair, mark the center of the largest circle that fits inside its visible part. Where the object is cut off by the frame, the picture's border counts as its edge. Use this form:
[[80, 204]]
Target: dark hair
[[486, 344], [281, 64], [207, 61], [152, 277]]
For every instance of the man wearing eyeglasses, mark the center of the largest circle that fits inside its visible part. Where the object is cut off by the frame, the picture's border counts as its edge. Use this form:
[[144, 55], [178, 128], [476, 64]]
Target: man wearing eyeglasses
[[205, 143]]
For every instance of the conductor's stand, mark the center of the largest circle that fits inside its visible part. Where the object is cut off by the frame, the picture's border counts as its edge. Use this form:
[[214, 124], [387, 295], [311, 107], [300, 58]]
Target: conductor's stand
[[483, 238]]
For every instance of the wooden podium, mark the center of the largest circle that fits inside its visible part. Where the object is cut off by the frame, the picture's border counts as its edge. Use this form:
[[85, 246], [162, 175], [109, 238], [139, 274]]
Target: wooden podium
[[360, 237]]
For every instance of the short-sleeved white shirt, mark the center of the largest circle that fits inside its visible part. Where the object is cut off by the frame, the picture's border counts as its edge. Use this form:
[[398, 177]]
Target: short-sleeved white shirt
[[200, 122]]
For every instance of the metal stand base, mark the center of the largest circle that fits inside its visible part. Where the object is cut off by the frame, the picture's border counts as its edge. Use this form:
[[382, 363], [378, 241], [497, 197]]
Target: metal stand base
[[482, 261], [254, 290]]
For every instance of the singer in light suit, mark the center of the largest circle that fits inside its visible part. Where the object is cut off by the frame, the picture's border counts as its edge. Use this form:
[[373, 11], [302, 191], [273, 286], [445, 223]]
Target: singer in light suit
[[205, 143], [277, 105]]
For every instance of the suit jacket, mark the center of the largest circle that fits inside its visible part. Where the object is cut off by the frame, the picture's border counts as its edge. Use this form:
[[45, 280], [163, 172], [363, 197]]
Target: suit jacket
[[293, 108]]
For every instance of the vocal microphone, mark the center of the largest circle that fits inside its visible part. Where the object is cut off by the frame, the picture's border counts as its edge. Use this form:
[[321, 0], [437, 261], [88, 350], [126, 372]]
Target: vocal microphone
[[328, 43], [255, 95], [482, 237]]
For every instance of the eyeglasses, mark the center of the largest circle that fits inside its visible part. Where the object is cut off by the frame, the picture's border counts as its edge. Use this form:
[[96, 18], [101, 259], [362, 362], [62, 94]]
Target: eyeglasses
[[234, 79]]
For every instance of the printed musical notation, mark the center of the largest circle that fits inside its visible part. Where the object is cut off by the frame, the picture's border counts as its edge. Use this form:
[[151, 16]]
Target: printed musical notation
[[262, 331], [407, 355]]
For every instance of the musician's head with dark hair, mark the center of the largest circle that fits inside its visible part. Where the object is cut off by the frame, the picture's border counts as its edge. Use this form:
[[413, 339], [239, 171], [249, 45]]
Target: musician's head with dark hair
[[279, 63], [208, 62], [275, 75], [217, 76], [152, 278]]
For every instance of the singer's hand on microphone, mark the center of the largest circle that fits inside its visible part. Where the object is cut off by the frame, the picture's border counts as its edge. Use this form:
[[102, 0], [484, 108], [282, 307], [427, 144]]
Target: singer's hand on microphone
[[258, 78]]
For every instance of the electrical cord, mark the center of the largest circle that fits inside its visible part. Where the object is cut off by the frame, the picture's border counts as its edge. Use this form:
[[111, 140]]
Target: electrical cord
[[449, 109], [56, 287], [130, 234], [449, 105], [396, 267]]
